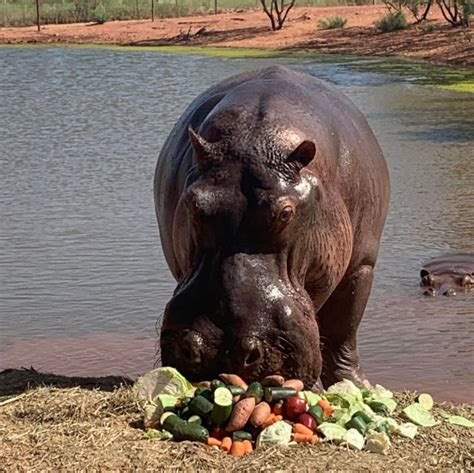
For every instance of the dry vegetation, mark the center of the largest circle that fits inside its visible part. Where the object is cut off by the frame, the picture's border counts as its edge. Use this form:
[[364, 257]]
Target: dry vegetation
[[57, 429]]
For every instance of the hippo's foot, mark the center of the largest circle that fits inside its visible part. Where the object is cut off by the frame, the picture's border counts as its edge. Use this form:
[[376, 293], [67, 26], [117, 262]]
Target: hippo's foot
[[342, 365]]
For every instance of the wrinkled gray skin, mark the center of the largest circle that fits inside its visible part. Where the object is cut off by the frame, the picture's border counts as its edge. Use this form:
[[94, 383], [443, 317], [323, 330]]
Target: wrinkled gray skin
[[270, 215], [448, 275]]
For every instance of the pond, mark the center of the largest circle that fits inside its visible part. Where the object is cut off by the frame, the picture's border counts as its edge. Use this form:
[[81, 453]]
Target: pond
[[82, 276]]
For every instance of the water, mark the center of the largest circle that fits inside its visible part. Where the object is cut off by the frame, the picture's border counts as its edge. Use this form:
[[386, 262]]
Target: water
[[82, 276]]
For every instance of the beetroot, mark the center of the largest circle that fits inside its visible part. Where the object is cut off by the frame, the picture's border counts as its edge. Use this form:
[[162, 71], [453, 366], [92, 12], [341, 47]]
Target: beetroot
[[293, 407]]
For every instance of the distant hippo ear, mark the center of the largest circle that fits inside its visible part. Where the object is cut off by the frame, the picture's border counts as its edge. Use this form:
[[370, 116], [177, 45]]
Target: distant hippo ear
[[202, 148], [303, 154]]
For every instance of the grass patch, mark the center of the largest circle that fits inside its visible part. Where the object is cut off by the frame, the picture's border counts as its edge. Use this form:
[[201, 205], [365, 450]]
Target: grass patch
[[332, 22]]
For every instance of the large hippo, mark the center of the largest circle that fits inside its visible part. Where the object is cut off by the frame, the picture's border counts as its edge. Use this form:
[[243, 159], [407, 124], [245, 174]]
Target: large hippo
[[271, 193], [448, 274]]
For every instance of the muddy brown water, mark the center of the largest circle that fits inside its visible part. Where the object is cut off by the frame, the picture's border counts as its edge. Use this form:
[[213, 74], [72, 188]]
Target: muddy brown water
[[82, 276]]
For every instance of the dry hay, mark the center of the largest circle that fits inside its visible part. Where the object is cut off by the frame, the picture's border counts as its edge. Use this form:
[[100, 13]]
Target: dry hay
[[57, 429]]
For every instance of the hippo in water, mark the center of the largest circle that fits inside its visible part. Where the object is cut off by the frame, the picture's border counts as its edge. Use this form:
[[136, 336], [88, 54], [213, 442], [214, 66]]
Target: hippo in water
[[448, 274], [271, 194]]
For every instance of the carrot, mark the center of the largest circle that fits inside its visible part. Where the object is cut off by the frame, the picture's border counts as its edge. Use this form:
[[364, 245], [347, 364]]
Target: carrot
[[213, 442], [296, 384], [234, 380], [269, 420], [302, 429], [260, 414], [240, 414], [226, 444], [326, 407], [278, 409], [303, 438], [248, 446], [237, 449], [278, 418]]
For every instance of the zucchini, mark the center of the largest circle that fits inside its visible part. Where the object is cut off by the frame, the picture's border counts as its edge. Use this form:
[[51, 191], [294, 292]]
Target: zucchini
[[183, 430], [217, 383], [241, 435], [378, 407], [222, 408], [236, 390], [167, 419], [317, 413], [204, 392], [274, 394], [200, 406], [255, 390], [194, 419], [185, 413]]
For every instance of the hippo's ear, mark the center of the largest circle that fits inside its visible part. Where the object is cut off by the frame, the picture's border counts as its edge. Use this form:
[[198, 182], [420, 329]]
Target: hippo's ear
[[202, 149], [303, 154]]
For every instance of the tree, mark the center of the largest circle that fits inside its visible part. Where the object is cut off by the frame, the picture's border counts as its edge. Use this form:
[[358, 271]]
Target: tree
[[277, 11], [456, 12]]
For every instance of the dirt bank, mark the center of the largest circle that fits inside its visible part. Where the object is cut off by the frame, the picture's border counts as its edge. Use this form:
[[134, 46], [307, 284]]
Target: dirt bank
[[90, 427], [251, 30]]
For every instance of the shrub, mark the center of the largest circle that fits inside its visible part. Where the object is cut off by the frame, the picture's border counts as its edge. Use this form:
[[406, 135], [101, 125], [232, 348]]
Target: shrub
[[332, 22], [428, 26], [392, 22], [99, 15]]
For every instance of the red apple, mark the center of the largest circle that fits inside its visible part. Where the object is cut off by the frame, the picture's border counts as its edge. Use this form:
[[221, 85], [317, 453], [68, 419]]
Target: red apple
[[294, 407], [308, 421]]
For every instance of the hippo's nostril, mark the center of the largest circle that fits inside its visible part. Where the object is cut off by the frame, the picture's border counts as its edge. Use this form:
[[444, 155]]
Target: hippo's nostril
[[191, 347], [252, 351]]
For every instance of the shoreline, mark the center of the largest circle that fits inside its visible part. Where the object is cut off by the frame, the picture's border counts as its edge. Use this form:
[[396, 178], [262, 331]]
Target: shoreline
[[249, 32]]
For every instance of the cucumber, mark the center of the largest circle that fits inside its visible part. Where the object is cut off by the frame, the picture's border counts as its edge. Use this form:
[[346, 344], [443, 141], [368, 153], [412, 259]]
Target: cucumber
[[236, 390], [425, 400], [255, 390], [384, 429], [357, 423], [194, 419], [183, 430], [167, 418], [241, 435], [275, 394], [363, 416], [378, 407], [217, 383], [204, 392], [185, 413], [317, 413], [200, 406], [222, 408]]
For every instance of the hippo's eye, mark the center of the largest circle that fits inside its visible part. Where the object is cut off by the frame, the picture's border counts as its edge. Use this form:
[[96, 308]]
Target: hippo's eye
[[286, 214]]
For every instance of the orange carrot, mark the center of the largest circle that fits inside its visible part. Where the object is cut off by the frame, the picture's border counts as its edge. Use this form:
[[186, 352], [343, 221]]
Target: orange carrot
[[237, 449], [278, 409], [302, 429], [248, 446], [278, 419], [303, 438], [327, 408], [226, 444], [269, 420], [213, 442]]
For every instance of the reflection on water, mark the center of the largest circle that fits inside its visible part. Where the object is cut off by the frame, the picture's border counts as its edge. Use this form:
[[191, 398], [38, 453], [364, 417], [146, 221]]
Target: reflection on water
[[83, 279]]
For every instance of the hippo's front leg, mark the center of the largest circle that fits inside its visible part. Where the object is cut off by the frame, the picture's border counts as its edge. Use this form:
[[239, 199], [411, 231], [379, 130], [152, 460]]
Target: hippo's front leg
[[339, 319]]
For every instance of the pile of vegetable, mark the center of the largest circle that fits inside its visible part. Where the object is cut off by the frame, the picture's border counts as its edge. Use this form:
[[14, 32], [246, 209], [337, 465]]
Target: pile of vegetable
[[228, 414]]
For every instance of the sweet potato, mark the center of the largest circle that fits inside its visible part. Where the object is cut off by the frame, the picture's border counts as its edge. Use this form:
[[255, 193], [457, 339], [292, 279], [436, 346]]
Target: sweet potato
[[234, 380], [273, 380], [296, 384], [260, 414], [240, 414]]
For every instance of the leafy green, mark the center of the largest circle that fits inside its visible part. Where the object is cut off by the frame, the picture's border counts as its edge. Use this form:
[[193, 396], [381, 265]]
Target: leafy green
[[154, 434], [378, 442], [277, 434], [332, 431], [354, 439], [419, 415], [407, 430], [346, 386], [310, 397], [457, 420]]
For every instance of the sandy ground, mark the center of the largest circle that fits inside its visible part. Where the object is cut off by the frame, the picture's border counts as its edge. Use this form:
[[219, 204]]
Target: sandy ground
[[251, 29]]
